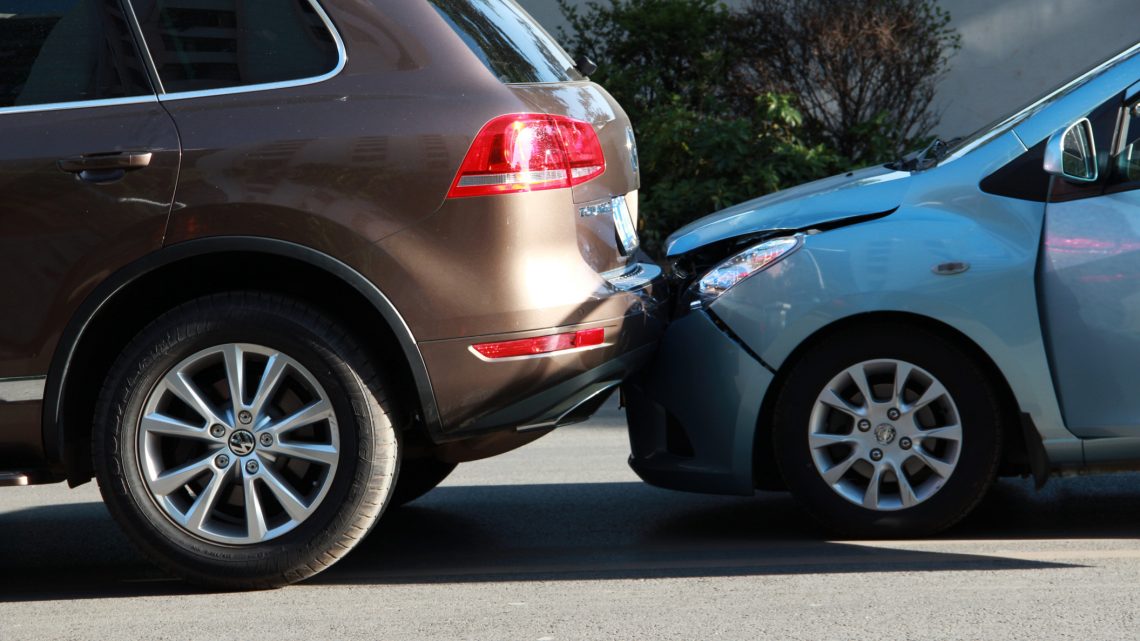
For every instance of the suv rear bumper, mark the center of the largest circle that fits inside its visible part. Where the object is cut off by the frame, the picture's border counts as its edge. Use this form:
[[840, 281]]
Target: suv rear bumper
[[475, 395]]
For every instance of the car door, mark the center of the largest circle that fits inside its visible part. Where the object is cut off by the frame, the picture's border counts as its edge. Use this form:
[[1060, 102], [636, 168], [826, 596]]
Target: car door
[[1090, 280], [88, 162]]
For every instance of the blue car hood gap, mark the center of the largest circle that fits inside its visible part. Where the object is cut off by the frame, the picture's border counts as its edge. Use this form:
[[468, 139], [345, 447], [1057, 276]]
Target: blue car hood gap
[[815, 205]]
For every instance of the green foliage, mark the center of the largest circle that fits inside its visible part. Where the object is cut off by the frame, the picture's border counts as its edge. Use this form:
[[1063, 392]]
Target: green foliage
[[654, 51], [713, 127], [695, 162], [864, 72]]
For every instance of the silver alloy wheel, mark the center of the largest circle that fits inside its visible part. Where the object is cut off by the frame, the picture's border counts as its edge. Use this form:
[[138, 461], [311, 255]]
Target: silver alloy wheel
[[885, 434], [238, 444]]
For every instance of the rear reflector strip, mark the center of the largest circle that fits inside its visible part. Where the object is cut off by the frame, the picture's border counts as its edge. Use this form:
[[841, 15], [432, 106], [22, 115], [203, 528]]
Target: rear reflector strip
[[542, 344]]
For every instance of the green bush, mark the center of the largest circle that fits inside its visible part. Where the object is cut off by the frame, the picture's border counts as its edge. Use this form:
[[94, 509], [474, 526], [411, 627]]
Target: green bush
[[697, 161], [716, 127]]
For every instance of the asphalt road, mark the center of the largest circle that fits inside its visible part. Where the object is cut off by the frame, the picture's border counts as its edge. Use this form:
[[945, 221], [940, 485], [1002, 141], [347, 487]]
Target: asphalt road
[[559, 541]]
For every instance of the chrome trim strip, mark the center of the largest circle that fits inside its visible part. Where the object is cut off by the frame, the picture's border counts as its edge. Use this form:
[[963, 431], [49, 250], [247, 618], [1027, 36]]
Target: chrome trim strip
[[342, 60], [623, 222], [17, 390], [80, 104], [140, 43], [1019, 141], [629, 278], [13, 479]]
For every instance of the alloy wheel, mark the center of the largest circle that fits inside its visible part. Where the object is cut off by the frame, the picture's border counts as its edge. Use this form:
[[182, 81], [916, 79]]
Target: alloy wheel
[[885, 434], [238, 444]]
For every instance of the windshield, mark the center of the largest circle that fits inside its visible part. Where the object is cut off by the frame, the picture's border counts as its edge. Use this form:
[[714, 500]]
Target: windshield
[[1009, 121]]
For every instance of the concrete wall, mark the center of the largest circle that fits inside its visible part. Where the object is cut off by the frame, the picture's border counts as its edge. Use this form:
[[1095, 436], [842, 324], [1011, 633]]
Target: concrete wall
[[1012, 50]]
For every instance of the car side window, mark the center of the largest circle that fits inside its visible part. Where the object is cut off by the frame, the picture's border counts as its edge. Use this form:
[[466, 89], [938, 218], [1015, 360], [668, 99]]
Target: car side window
[[219, 44], [1126, 161], [67, 51]]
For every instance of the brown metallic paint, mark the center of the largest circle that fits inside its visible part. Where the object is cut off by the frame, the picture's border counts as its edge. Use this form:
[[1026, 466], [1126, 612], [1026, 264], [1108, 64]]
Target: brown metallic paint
[[469, 388], [590, 103], [61, 236], [356, 167]]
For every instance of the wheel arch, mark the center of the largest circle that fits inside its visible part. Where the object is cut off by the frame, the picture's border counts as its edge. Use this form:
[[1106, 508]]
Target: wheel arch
[[133, 296], [1016, 447]]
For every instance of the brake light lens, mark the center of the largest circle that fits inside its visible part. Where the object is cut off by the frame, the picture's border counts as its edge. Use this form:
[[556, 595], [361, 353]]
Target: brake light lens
[[542, 344], [529, 152]]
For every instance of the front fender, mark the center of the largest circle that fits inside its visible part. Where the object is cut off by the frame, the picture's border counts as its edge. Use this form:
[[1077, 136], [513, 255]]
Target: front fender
[[887, 265]]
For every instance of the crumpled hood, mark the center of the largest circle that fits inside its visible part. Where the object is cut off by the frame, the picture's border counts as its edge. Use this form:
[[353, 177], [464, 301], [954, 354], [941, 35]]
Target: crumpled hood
[[868, 191]]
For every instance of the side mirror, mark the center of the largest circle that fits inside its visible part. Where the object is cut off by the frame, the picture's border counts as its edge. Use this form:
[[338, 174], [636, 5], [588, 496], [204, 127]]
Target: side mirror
[[1071, 153], [584, 65]]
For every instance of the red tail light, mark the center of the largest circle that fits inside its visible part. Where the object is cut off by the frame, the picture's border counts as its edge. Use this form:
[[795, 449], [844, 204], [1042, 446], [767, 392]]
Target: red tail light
[[542, 344], [529, 152]]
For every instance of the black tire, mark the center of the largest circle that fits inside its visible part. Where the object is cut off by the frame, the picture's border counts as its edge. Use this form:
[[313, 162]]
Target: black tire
[[354, 496], [978, 409], [418, 477]]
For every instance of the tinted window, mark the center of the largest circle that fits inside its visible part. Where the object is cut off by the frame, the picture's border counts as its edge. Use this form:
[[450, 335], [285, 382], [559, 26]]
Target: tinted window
[[217, 44], [65, 51], [508, 41], [1126, 164]]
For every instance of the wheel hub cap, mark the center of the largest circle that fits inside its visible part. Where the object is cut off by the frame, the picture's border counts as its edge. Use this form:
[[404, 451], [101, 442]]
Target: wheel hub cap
[[884, 434], [910, 453], [242, 442]]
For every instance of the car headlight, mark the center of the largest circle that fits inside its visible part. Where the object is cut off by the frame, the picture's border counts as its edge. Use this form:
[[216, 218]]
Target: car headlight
[[751, 261]]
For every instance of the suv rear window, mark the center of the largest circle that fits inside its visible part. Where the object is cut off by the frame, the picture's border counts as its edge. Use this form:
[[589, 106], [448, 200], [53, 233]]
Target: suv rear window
[[508, 41], [218, 44]]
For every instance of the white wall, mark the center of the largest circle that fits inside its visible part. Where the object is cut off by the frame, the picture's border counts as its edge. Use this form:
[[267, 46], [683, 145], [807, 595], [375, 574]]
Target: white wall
[[1012, 50]]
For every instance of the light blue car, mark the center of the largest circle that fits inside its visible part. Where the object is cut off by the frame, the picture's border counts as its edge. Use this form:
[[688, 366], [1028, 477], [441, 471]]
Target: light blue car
[[885, 343]]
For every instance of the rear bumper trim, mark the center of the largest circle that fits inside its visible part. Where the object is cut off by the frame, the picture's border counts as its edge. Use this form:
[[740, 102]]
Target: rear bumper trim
[[632, 277], [564, 403], [576, 409]]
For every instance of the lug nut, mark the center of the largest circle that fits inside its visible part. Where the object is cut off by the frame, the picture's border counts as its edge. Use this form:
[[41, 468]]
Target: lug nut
[[245, 417], [864, 425], [217, 431], [893, 414], [905, 443], [876, 454], [251, 467], [266, 439], [222, 460]]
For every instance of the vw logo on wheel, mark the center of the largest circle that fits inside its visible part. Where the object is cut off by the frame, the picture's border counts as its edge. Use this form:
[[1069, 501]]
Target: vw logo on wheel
[[242, 442]]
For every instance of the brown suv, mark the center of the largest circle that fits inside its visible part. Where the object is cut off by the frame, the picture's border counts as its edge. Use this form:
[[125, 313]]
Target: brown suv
[[269, 267]]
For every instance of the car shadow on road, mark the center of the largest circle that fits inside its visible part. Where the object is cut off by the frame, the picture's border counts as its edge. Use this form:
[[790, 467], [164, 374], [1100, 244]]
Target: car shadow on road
[[630, 530], [576, 531]]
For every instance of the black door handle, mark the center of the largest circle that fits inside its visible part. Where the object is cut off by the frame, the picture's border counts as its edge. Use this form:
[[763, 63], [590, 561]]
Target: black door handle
[[124, 160]]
